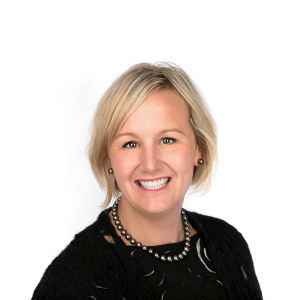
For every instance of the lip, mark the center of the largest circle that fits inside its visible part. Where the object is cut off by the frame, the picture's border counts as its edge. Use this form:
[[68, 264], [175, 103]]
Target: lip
[[152, 179], [152, 191]]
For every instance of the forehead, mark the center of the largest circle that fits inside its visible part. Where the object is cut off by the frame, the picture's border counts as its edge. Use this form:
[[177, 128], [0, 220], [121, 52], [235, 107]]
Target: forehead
[[159, 109]]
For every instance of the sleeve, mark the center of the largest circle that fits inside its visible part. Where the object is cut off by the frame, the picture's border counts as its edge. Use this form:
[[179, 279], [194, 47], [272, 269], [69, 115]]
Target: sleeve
[[247, 265], [231, 255], [52, 287], [242, 258]]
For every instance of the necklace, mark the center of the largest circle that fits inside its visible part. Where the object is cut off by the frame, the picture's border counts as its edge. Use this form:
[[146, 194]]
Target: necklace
[[163, 257]]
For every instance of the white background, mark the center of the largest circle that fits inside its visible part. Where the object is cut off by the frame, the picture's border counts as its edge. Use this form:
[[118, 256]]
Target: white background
[[58, 58]]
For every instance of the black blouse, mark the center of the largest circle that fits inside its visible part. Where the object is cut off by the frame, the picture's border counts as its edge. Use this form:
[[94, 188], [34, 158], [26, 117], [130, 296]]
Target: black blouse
[[193, 278], [97, 266]]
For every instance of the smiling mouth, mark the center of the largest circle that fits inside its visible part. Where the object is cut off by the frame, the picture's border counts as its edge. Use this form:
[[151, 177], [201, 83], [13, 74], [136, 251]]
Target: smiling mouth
[[155, 184]]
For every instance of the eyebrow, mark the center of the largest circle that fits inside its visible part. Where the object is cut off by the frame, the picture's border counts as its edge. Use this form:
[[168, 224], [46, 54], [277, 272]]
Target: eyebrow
[[161, 132]]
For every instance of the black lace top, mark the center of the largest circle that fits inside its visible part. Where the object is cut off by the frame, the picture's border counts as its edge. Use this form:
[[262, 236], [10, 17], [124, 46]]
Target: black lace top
[[97, 265], [194, 277]]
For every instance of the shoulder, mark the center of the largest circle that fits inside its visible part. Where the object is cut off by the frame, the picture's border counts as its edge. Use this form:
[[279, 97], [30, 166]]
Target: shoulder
[[230, 253], [208, 221], [73, 266], [217, 229]]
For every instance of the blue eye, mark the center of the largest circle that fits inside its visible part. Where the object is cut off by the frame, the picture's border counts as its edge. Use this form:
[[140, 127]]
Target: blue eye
[[134, 144], [130, 145], [168, 140]]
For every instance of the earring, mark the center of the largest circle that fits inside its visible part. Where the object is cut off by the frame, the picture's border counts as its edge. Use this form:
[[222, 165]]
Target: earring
[[110, 171], [200, 161]]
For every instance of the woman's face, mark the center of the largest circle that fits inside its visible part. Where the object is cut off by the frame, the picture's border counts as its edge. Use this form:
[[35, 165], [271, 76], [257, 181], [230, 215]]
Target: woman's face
[[154, 154]]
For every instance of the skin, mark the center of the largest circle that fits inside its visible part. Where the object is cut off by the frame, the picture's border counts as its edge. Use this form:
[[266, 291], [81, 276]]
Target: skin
[[154, 218]]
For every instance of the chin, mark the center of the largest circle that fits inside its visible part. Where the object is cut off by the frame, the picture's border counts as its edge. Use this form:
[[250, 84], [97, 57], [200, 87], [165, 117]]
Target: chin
[[153, 207]]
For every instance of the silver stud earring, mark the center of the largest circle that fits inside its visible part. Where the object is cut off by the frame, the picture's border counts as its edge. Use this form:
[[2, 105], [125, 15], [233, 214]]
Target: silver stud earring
[[110, 171], [200, 161]]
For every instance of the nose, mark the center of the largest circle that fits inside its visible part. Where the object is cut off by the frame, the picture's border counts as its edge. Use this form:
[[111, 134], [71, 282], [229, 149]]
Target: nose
[[150, 160]]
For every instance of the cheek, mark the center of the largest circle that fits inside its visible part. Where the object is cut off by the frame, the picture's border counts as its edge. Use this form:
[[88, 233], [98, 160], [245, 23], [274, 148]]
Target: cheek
[[183, 158], [182, 162], [123, 166]]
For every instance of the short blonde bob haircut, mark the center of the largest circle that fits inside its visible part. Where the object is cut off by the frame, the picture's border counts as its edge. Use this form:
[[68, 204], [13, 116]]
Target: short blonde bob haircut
[[125, 95]]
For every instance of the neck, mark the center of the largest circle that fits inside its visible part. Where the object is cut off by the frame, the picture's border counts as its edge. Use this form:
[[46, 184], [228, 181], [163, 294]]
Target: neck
[[151, 229]]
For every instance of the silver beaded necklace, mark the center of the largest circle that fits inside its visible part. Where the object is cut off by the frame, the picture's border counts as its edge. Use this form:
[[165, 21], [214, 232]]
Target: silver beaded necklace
[[163, 257]]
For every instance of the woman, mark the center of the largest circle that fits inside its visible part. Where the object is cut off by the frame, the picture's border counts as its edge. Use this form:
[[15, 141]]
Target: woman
[[152, 139]]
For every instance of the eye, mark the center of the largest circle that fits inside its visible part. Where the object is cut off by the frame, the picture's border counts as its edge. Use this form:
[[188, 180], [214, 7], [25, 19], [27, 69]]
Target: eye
[[130, 145], [168, 140]]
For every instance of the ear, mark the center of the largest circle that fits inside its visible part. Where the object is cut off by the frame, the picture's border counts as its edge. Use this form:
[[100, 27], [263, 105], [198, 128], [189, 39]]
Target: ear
[[198, 155]]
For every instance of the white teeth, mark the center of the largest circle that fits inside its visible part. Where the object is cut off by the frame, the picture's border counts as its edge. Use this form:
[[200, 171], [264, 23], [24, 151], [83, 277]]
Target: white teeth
[[154, 185]]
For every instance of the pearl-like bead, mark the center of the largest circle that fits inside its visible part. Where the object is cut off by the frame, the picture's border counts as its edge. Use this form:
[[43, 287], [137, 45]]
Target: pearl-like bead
[[145, 248]]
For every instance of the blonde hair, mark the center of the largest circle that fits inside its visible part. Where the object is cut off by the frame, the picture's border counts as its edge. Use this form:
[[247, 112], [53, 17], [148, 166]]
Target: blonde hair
[[125, 95]]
